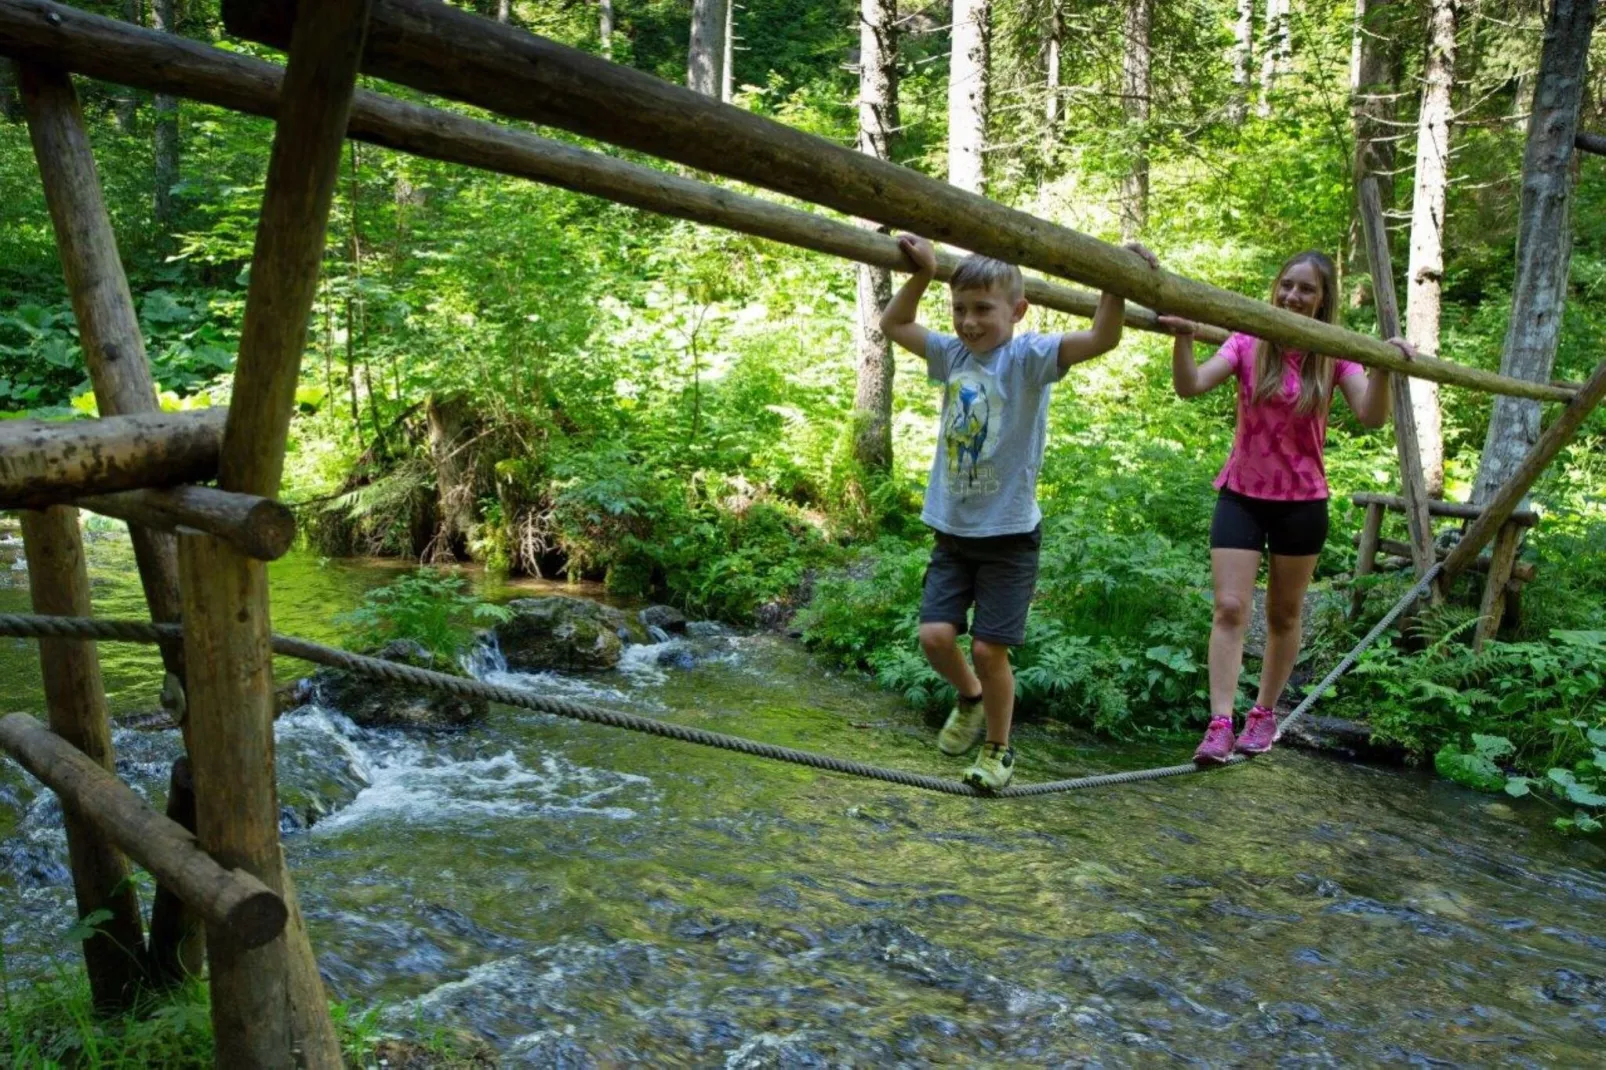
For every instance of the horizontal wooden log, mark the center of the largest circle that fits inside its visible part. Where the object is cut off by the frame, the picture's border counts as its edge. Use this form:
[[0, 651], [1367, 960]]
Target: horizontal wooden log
[[43, 463], [161, 63], [440, 49], [1521, 571], [1595, 143], [235, 900], [258, 527], [1526, 518]]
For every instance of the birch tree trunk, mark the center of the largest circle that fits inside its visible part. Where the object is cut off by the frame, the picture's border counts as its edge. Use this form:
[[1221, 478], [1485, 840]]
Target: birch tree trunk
[[967, 96], [1135, 103], [1544, 238], [1279, 50], [605, 26], [1243, 58], [729, 62], [127, 107], [878, 120], [1425, 273], [1374, 79], [502, 11], [1052, 33], [166, 109], [705, 57]]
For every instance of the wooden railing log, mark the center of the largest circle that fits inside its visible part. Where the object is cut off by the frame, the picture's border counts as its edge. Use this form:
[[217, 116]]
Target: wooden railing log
[[43, 463], [258, 527]]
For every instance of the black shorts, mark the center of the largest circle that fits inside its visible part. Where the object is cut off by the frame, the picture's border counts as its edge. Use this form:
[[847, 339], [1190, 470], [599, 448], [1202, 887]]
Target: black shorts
[[997, 574], [1289, 529]]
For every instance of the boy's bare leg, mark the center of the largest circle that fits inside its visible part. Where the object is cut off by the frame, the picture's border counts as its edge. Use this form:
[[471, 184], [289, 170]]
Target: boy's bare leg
[[941, 645], [997, 687]]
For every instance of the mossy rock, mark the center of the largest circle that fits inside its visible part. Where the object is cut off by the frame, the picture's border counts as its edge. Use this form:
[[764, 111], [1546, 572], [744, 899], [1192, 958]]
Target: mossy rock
[[374, 703], [560, 633]]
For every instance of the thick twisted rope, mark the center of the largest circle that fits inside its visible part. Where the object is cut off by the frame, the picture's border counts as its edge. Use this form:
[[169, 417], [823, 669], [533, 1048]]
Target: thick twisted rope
[[43, 627]]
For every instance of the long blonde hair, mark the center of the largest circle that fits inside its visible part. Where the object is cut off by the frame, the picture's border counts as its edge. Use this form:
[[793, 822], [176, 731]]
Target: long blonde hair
[[1315, 372]]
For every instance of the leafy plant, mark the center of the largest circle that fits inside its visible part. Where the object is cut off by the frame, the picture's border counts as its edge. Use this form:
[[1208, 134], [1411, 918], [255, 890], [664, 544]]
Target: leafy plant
[[429, 607]]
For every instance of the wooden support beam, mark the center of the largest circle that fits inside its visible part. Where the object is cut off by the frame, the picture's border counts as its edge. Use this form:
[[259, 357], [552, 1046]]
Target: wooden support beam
[[1413, 484], [1458, 510], [1366, 554], [235, 901], [1521, 572], [1594, 143], [1493, 610], [117, 52], [440, 49], [76, 699], [258, 527], [42, 463], [108, 329], [1499, 508], [268, 1005], [178, 936]]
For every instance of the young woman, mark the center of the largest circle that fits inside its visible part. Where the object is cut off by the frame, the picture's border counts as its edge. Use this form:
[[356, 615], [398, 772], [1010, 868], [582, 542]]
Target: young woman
[[1273, 489]]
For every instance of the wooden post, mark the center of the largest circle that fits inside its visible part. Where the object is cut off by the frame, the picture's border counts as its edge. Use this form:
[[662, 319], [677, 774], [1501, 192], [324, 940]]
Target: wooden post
[[1412, 482], [1493, 610], [258, 527], [1502, 505], [128, 55], [1459, 510], [178, 940], [268, 1005], [42, 463], [236, 901], [76, 699], [1366, 555], [114, 350], [437, 48]]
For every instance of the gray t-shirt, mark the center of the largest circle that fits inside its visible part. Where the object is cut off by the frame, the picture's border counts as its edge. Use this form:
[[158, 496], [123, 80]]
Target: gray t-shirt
[[990, 442]]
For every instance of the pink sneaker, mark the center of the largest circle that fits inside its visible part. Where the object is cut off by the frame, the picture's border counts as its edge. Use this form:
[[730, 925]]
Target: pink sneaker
[[1260, 731], [1217, 745]]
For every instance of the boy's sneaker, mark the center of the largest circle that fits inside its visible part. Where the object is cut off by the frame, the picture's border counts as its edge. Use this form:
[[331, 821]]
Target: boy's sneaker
[[1217, 745], [1260, 731], [994, 766], [966, 726]]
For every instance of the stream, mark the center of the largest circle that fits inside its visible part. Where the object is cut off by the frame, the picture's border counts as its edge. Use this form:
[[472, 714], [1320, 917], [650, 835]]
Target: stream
[[582, 896]]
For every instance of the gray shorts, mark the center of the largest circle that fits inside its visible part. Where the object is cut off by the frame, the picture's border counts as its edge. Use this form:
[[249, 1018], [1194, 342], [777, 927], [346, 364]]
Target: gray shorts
[[997, 574]]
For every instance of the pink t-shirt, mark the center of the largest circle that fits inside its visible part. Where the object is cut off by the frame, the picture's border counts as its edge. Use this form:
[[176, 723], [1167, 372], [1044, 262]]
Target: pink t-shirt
[[1277, 452]]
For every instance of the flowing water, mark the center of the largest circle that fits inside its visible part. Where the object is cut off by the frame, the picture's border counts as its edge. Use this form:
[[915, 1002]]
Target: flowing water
[[581, 896]]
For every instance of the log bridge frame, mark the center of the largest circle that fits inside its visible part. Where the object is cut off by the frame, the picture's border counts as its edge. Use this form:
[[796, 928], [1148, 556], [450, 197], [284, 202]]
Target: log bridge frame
[[202, 549]]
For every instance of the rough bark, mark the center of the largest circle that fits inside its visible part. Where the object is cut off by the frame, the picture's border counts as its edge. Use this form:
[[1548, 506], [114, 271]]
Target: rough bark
[[451, 429], [46, 462], [1374, 77], [1243, 58], [1135, 68], [878, 119], [967, 96], [705, 55], [1278, 53], [1425, 271], [166, 132], [1544, 237]]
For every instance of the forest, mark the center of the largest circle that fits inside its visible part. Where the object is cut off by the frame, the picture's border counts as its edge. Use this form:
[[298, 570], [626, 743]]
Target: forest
[[509, 374]]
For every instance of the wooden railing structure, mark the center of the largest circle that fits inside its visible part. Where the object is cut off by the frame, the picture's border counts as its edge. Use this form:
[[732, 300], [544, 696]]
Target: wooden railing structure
[[202, 549]]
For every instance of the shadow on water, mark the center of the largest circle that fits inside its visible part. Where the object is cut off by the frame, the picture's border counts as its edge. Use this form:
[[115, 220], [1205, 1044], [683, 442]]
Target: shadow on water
[[579, 895]]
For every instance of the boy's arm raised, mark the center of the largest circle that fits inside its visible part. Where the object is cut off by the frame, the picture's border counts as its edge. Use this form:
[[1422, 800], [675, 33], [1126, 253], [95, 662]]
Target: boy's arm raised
[[1105, 334], [898, 321]]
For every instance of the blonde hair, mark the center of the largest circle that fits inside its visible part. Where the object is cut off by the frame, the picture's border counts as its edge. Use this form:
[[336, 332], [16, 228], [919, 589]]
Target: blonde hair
[[1315, 371], [977, 272]]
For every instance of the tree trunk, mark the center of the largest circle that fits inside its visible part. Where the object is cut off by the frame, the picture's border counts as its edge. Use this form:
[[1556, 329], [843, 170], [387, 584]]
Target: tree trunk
[[728, 65], [1544, 238], [503, 10], [1243, 57], [166, 108], [451, 428], [1374, 75], [1052, 34], [705, 57], [1425, 273], [605, 26], [967, 96], [127, 106], [878, 119], [1135, 102], [1279, 50]]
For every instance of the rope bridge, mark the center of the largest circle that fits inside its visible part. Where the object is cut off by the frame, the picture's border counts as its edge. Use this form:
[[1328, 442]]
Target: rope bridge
[[45, 627]]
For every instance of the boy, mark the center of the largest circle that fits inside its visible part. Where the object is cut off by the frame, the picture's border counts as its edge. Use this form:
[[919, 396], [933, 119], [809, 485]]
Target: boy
[[981, 499]]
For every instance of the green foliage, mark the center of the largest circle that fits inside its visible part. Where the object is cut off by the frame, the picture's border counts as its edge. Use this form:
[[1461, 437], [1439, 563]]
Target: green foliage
[[429, 607], [1580, 789]]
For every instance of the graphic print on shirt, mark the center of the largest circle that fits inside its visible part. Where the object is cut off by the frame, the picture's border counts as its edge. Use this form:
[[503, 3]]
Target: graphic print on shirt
[[972, 414]]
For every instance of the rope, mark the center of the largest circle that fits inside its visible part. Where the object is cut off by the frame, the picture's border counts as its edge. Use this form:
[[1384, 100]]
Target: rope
[[45, 627]]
